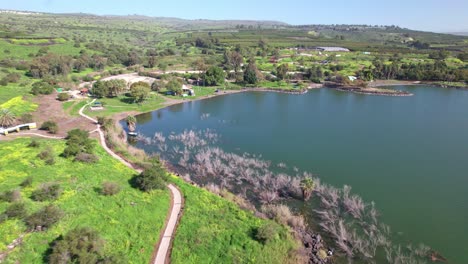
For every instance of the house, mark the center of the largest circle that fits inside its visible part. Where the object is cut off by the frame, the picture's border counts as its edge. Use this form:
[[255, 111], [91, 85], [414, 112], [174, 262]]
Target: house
[[332, 49], [84, 91]]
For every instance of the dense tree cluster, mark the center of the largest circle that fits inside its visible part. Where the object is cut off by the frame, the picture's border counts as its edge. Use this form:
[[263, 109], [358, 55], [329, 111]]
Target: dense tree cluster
[[214, 76], [436, 71], [109, 88]]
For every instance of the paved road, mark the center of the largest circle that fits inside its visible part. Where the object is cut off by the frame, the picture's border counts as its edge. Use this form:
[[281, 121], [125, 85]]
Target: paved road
[[163, 251]]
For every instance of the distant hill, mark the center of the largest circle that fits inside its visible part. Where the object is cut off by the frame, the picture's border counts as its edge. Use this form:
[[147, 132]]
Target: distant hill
[[459, 33], [145, 31]]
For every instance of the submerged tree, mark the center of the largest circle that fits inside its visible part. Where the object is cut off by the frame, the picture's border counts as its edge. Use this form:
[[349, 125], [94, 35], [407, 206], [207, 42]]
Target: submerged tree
[[131, 123]]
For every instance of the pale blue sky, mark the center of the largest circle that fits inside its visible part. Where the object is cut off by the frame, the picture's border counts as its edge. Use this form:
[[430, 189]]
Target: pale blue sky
[[430, 15]]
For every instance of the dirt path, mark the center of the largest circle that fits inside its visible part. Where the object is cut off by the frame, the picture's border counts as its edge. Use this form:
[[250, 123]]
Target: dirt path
[[164, 244]]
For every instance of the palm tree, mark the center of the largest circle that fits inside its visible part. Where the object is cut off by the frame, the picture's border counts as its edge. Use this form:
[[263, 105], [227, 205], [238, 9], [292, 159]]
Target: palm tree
[[7, 118], [131, 123], [307, 186]]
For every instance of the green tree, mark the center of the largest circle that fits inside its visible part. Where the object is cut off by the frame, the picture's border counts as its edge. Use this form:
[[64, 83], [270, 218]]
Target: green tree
[[175, 85], [42, 88], [282, 71], [463, 56], [151, 61], [131, 123], [307, 186], [214, 76], [234, 59], [140, 91], [115, 87], [100, 89], [151, 179], [251, 74], [7, 118]]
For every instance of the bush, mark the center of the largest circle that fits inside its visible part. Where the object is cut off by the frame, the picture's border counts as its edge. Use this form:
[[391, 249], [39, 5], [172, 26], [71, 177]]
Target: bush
[[62, 97], [47, 155], [50, 126], [10, 196], [15, 210], [110, 188], [86, 158], [80, 245], [13, 77], [267, 233], [27, 118], [106, 123], [42, 88], [27, 182], [34, 144], [78, 141], [47, 192], [44, 218], [151, 178], [283, 215]]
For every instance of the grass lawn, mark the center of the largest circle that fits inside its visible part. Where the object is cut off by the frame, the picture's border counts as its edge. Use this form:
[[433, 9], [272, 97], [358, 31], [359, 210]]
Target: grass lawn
[[281, 85], [124, 103], [214, 230], [13, 90], [129, 221]]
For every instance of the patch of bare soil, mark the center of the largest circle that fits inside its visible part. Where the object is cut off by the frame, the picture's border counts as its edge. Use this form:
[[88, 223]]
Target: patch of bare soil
[[50, 109]]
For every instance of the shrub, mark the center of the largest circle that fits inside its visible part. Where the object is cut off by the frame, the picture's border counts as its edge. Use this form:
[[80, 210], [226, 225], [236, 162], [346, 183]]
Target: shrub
[[80, 245], [27, 118], [267, 233], [110, 188], [44, 218], [78, 141], [15, 210], [86, 158], [283, 215], [27, 182], [34, 144], [13, 77], [63, 97], [150, 179], [50, 126], [10, 196], [46, 153], [106, 123], [47, 192], [42, 88]]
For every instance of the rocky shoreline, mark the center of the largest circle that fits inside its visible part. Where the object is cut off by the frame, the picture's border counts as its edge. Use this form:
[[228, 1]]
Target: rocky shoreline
[[374, 92]]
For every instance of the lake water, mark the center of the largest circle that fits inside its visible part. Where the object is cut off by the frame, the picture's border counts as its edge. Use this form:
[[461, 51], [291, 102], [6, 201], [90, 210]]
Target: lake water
[[408, 154]]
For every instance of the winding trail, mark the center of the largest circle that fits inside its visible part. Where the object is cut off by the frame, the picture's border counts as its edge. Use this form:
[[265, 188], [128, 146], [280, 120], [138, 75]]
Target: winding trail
[[163, 247]]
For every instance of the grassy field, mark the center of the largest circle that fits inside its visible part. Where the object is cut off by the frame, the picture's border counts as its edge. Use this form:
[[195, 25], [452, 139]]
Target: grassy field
[[19, 106], [214, 230], [129, 221], [125, 104]]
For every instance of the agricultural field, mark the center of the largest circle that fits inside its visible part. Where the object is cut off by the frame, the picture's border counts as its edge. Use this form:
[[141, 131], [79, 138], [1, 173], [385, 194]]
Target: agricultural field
[[84, 206]]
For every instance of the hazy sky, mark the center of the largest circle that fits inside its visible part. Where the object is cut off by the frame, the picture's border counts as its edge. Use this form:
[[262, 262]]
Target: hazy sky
[[430, 15]]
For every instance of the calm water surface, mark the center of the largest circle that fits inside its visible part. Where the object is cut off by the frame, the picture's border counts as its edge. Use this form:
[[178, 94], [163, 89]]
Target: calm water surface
[[408, 154]]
